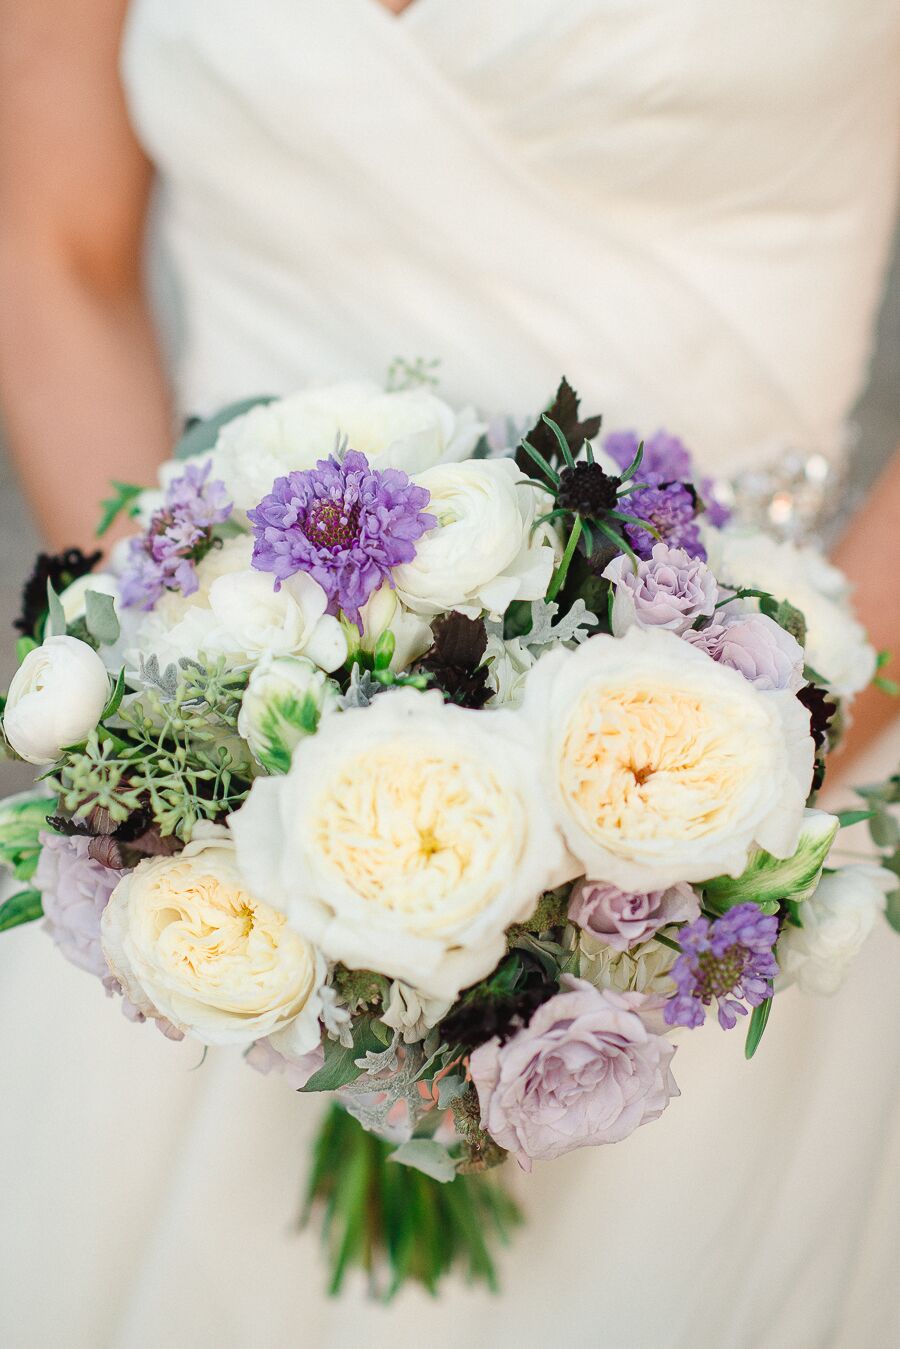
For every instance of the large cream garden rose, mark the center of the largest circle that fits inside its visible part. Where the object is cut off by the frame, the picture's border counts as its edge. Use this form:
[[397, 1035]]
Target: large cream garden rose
[[663, 765], [407, 836], [190, 944]]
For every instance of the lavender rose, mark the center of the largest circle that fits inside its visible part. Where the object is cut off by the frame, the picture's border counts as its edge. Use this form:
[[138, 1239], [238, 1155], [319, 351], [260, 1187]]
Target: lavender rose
[[590, 1067], [670, 589], [756, 646], [623, 920], [75, 890]]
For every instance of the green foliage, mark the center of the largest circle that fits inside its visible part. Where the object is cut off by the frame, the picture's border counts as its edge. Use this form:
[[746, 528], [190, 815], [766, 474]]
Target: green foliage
[[173, 748], [786, 616], [124, 499], [24, 907], [396, 1223], [21, 820], [417, 373], [340, 1060], [56, 619], [759, 1019], [359, 988], [100, 618]]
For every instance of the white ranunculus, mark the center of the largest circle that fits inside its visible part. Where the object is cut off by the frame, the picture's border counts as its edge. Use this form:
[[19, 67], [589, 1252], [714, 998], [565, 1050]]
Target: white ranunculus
[[409, 430], [190, 944], [406, 838], [254, 618], [284, 701], [482, 553], [664, 766], [837, 647], [55, 699], [837, 919]]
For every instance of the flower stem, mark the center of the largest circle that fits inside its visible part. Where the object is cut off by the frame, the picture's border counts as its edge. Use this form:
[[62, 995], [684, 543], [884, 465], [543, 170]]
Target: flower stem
[[558, 579]]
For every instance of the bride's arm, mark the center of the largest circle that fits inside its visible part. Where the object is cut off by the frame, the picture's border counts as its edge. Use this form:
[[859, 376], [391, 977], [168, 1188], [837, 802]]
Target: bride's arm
[[869, 553], [82, 388]]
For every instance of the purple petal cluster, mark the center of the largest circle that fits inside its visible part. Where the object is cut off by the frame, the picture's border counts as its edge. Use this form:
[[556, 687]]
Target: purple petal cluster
[[666, 464], [180, 534], [672, 511], [730, 959], [665, 458], [344, 523]]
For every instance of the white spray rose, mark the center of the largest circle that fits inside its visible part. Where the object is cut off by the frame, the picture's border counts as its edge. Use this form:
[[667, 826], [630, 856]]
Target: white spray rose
[[405, 839], [190, 944], [482, 553], [836, 922], [409, 430], [664, 766], [836, 644], [284, 701], [55, 699]]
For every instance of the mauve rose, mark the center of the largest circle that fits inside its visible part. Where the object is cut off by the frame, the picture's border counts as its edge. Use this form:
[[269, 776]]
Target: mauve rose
[[756, 646], [74, 891], [590, 1067], [265, 1058], [623, 920], [669, 589]]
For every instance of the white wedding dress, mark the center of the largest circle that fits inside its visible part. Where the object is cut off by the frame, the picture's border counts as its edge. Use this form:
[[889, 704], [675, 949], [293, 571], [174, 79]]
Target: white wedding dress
[[685, 206]]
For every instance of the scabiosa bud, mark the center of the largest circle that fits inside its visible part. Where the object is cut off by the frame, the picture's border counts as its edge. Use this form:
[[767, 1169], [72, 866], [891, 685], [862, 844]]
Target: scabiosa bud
[[671, 509], [587, 489], [729, 959]]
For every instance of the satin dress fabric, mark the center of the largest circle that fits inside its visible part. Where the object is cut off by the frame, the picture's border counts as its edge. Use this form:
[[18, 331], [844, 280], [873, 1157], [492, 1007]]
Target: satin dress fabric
[[687, 209]]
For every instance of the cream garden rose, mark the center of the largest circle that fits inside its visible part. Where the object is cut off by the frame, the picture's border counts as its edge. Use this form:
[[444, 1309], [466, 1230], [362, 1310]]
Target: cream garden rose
[[663, 765], [406, 837], [483, 554], [190, 944], [410, 430]]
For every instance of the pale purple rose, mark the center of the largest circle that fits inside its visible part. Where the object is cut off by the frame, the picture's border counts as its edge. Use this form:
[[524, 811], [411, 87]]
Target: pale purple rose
[[265, 1058], [669, 589], [623, 920], [590, 1067], [755, 645], [74, 891]]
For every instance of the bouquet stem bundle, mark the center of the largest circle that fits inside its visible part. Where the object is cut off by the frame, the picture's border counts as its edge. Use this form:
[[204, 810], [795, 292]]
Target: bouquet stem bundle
[[397, 1223]]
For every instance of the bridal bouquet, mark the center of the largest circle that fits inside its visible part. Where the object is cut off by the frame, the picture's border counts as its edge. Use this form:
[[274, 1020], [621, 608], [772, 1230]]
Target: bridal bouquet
[[451, 771]]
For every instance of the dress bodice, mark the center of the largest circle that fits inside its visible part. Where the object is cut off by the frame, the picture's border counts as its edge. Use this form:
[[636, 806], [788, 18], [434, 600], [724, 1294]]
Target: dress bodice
[[686, 208]]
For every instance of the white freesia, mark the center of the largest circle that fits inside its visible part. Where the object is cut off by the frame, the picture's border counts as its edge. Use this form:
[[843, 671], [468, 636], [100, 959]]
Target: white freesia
[[285, 699], [662, 765], [55, 699], [836, 922], [383, 612], [411, 1013], [406, 838], [482, 554], [409, 430], [190, 944], [837, 647]]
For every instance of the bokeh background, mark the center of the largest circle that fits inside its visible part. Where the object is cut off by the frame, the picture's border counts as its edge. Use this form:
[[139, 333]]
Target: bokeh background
[[876, 418]]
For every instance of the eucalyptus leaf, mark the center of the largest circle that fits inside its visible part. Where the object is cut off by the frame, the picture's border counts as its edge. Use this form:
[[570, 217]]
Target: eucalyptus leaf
[[24, 907], [201, 435], [428, 1156], [56, 621], [100, 617], [115, 698]]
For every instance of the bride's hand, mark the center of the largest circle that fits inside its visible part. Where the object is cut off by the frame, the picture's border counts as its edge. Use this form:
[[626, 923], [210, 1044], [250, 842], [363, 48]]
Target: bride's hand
[[83, 393]]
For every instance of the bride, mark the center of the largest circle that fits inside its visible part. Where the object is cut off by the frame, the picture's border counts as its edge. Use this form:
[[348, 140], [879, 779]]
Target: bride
[[685, 207]]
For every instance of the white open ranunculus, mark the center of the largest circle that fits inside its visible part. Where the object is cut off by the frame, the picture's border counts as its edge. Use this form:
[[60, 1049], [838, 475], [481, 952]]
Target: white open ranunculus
[[837, 647], [190, 944], [837, 919], [664, 766], [406, 838], [410, 430], [254, 618], [482, 553], [55, 699]]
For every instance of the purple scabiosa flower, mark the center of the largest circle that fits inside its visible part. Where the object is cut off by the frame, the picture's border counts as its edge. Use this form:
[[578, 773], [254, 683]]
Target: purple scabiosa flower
[[729, 959], [665, 458], [672, 511], [179, 535], [344, 523]]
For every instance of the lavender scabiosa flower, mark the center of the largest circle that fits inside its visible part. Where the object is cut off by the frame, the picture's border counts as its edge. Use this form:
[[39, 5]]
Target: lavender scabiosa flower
[[671, 509], [179, 535], [344, 523], [665, 458], [729, 959]]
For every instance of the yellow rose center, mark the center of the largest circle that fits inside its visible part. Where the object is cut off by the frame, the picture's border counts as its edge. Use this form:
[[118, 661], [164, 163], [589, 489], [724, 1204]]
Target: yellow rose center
[[419, 829], [666, 764]]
